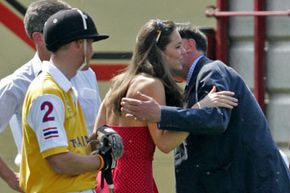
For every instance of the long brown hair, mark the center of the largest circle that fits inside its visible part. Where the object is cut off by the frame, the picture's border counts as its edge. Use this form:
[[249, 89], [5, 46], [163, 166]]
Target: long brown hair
[[147, 59]]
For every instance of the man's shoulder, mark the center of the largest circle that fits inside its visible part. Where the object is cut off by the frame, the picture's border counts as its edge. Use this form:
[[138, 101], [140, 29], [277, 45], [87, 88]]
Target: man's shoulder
[[87, 77], [42, 89], [215, 65], [85, 82], [20, 79], [88, 72], [44, 84], [218, 63], [24, 72]]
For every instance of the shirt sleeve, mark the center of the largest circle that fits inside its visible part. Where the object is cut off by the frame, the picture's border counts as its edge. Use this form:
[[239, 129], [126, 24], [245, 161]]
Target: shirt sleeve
[[8, 103], [46, 118]]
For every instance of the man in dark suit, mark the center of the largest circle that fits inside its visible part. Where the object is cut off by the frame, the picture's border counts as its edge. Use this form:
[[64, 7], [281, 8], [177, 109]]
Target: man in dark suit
[[228, 150]]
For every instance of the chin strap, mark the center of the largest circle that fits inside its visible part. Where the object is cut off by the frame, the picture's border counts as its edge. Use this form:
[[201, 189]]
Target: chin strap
[[85, 62]]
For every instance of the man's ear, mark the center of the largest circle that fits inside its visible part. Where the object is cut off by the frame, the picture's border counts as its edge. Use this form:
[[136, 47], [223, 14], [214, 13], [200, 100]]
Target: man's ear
[[38, 38], [192, 43]]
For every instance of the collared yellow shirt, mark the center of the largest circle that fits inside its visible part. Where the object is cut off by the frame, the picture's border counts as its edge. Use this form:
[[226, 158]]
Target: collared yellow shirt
[[53, 123]]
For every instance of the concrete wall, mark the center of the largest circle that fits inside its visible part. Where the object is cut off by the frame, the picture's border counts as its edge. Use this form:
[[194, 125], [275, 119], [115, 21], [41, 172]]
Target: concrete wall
[[277, 57]]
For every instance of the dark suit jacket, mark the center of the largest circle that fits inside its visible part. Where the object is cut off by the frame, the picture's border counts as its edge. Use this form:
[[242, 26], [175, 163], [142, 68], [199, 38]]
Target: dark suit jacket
[[227, 151]]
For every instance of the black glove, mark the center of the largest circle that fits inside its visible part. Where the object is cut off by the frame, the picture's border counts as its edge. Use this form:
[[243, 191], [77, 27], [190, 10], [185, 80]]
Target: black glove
[[108, 160], [108, 144], [110, 140], [106, 172]]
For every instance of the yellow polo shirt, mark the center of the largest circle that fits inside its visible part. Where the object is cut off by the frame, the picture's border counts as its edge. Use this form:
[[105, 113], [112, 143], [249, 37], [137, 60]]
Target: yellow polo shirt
[[53, 123]]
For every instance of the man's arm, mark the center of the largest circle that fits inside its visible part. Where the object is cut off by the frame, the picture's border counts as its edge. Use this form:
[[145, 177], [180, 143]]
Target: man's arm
[[198, 121], [211, 120], [195, 120], [149, 109], [9, 176], [8, 100], [192, 120], [74, 164], [206, 120]]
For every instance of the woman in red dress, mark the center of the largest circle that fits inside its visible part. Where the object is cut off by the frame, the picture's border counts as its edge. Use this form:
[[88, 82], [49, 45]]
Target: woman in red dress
[[158, 49]]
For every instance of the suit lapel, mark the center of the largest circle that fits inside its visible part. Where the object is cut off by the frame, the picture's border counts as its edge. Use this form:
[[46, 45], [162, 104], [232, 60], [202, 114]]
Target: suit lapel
[[190, 88]]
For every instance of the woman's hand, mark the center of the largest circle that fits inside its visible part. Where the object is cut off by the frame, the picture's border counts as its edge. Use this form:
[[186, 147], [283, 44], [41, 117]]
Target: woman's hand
[[218, 99]]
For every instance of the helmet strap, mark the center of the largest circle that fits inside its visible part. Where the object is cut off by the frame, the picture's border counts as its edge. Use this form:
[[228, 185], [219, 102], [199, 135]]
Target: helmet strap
[[85, 62], [83, 18]]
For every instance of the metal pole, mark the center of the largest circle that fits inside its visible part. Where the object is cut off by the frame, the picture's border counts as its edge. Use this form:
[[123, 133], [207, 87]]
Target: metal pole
[[259, 45], [259, 38], [212, 11], [222, 31]]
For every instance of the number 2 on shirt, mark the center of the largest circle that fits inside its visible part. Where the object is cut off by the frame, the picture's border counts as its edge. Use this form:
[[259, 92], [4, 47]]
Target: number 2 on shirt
[[48, 107]]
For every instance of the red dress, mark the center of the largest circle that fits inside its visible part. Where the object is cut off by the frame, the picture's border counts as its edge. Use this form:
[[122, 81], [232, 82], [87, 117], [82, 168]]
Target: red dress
[[133, 172]]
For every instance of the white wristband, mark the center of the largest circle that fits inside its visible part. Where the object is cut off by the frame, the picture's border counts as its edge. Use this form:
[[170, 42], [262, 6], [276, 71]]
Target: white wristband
[[111, 186]]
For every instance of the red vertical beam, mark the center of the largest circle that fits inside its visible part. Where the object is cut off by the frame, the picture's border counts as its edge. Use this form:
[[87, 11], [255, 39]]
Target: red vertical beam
[[222, 32], [259, 44], [211, 39]]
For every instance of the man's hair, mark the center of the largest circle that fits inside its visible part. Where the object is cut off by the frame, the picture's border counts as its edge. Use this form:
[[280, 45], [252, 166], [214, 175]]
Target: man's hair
[[39, 11], [187, 31]]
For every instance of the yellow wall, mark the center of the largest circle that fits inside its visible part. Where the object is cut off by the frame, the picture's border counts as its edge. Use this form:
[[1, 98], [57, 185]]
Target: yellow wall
[[121, 19]]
